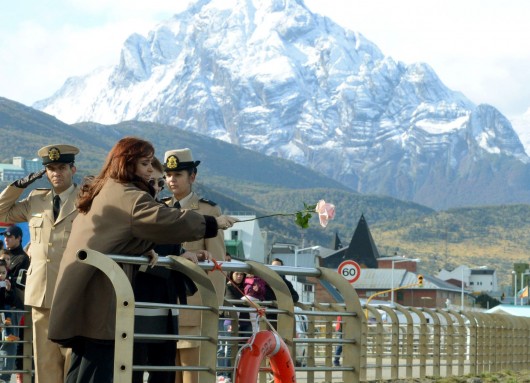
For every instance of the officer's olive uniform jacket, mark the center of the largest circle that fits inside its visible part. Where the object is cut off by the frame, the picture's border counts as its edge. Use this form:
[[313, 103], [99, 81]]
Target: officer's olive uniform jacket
[[122, 220], [190, 320], [48, 238]]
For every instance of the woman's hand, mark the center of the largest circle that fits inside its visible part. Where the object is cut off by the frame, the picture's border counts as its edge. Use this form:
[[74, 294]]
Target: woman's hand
[[8, 285], [204, 256], [225, 221], [153, 257], [190, 256], [199, 256]]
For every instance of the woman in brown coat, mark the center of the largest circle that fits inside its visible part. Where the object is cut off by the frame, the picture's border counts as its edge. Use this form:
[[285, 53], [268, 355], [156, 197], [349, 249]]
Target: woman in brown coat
[[117, 215]]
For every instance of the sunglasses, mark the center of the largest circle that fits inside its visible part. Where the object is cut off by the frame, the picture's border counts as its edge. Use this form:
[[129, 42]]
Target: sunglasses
[[161, 182]]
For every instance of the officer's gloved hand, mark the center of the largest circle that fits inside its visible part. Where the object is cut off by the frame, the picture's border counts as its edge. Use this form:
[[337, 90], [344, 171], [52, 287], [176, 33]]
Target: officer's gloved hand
[[29, 179]]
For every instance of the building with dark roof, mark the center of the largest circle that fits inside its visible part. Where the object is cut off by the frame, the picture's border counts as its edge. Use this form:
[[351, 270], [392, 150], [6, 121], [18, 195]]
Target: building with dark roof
[[362, 249]]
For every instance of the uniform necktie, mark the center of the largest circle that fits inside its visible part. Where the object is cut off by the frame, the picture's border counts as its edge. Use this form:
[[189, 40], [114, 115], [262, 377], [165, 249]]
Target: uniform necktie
[[56, 207], [177, 204]]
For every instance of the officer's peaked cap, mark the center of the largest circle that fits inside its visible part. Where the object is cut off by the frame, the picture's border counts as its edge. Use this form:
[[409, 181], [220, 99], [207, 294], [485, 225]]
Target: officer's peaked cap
[[57, 153], [179, 159]]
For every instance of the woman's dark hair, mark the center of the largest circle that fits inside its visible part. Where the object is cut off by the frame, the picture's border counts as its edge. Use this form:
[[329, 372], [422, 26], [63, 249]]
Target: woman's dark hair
[[120, 165], [232, 274]]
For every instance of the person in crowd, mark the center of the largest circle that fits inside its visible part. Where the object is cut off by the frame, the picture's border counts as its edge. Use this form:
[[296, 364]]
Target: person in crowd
[[270, 296], [19, 260], [159, 285], [117, 214], [6, 256], [8, 302], [7, 299], [234, 291], [18, 264], [49, 213], [338, 350], [254, 289], [222, 350], [181, 173]]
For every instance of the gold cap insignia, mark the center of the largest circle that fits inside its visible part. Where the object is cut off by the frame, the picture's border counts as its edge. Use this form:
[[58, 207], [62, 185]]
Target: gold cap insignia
[[54, 154], [172, 162]]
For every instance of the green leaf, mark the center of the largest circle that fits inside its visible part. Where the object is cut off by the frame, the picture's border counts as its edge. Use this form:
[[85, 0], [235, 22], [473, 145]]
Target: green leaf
[[302, 219]]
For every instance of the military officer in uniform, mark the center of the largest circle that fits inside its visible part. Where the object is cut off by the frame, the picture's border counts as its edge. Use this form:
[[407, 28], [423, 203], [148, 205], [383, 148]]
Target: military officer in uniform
[[49, 213], [181, 171]]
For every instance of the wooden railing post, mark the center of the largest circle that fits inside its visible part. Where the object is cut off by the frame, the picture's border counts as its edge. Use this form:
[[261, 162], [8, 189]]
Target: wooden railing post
[[124, 332]]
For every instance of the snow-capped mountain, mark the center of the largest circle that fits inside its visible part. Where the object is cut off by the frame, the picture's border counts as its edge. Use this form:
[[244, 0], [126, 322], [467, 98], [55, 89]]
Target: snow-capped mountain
[[521, 124], [271, 76]]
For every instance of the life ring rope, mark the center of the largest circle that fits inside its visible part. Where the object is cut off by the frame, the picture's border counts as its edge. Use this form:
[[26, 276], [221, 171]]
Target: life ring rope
[[278, 344]]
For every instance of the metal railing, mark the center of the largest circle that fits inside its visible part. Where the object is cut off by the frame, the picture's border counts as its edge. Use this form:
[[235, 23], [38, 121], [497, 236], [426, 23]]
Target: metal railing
[[387, 344], [9, 349], [209, 336]]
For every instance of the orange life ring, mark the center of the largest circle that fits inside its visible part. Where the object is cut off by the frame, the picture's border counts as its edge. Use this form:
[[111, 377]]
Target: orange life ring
[[261, 345]]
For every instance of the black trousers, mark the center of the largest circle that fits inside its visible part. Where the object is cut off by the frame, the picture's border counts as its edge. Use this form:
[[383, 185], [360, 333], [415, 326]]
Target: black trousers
[[155, 354], [92, 362]]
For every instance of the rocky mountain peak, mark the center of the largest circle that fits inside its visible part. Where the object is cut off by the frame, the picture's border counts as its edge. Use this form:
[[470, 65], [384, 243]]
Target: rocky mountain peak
[[273, 77]]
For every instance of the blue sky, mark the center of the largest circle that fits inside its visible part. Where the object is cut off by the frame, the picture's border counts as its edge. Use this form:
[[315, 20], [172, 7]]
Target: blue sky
[[479, 47]]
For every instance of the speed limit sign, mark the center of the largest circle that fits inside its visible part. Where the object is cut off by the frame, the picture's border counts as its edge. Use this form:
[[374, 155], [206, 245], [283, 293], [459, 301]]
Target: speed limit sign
[[350, 270]]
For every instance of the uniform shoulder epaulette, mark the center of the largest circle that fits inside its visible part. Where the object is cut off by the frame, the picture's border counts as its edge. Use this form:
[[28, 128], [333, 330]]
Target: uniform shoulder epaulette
[[42, 190], [208, 201]]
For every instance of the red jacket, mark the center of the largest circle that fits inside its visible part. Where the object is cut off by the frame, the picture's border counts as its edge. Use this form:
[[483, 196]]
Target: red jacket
[[338, 324]]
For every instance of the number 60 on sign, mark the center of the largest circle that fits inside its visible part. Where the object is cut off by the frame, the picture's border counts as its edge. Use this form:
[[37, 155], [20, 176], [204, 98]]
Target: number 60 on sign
[[350, 270]]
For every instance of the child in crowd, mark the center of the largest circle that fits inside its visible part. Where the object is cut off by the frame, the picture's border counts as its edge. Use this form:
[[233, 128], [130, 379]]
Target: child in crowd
[[6, 256], [255, 289]]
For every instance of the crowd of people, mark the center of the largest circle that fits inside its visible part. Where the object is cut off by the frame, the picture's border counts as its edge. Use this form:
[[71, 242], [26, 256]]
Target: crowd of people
[[118, 211], [13, 264]]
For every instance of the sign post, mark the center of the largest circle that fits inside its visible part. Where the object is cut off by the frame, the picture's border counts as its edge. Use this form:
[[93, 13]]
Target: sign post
[[350, 270]]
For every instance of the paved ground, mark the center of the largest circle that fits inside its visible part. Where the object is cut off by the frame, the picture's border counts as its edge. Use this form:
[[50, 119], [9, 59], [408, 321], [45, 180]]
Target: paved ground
[[498, 377]]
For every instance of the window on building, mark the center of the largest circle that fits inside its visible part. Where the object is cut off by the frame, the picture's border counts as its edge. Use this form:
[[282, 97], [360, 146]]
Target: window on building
[[308, 288]]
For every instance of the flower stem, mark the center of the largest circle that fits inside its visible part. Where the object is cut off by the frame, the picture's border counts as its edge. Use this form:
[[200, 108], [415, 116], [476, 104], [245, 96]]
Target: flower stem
[[276, 215]]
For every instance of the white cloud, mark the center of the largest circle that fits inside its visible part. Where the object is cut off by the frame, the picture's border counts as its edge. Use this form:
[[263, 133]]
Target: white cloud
[[45, 45]]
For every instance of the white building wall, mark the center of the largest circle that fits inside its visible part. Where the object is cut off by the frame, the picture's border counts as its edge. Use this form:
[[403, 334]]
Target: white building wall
[[474, 282], [484, 282], [250, 234]]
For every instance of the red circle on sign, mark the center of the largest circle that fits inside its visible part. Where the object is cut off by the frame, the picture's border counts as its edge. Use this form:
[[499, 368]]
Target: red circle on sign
[[350, 270]]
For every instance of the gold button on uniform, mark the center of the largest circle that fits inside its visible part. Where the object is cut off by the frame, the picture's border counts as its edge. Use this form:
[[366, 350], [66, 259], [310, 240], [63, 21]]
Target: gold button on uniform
[[48, 260]]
